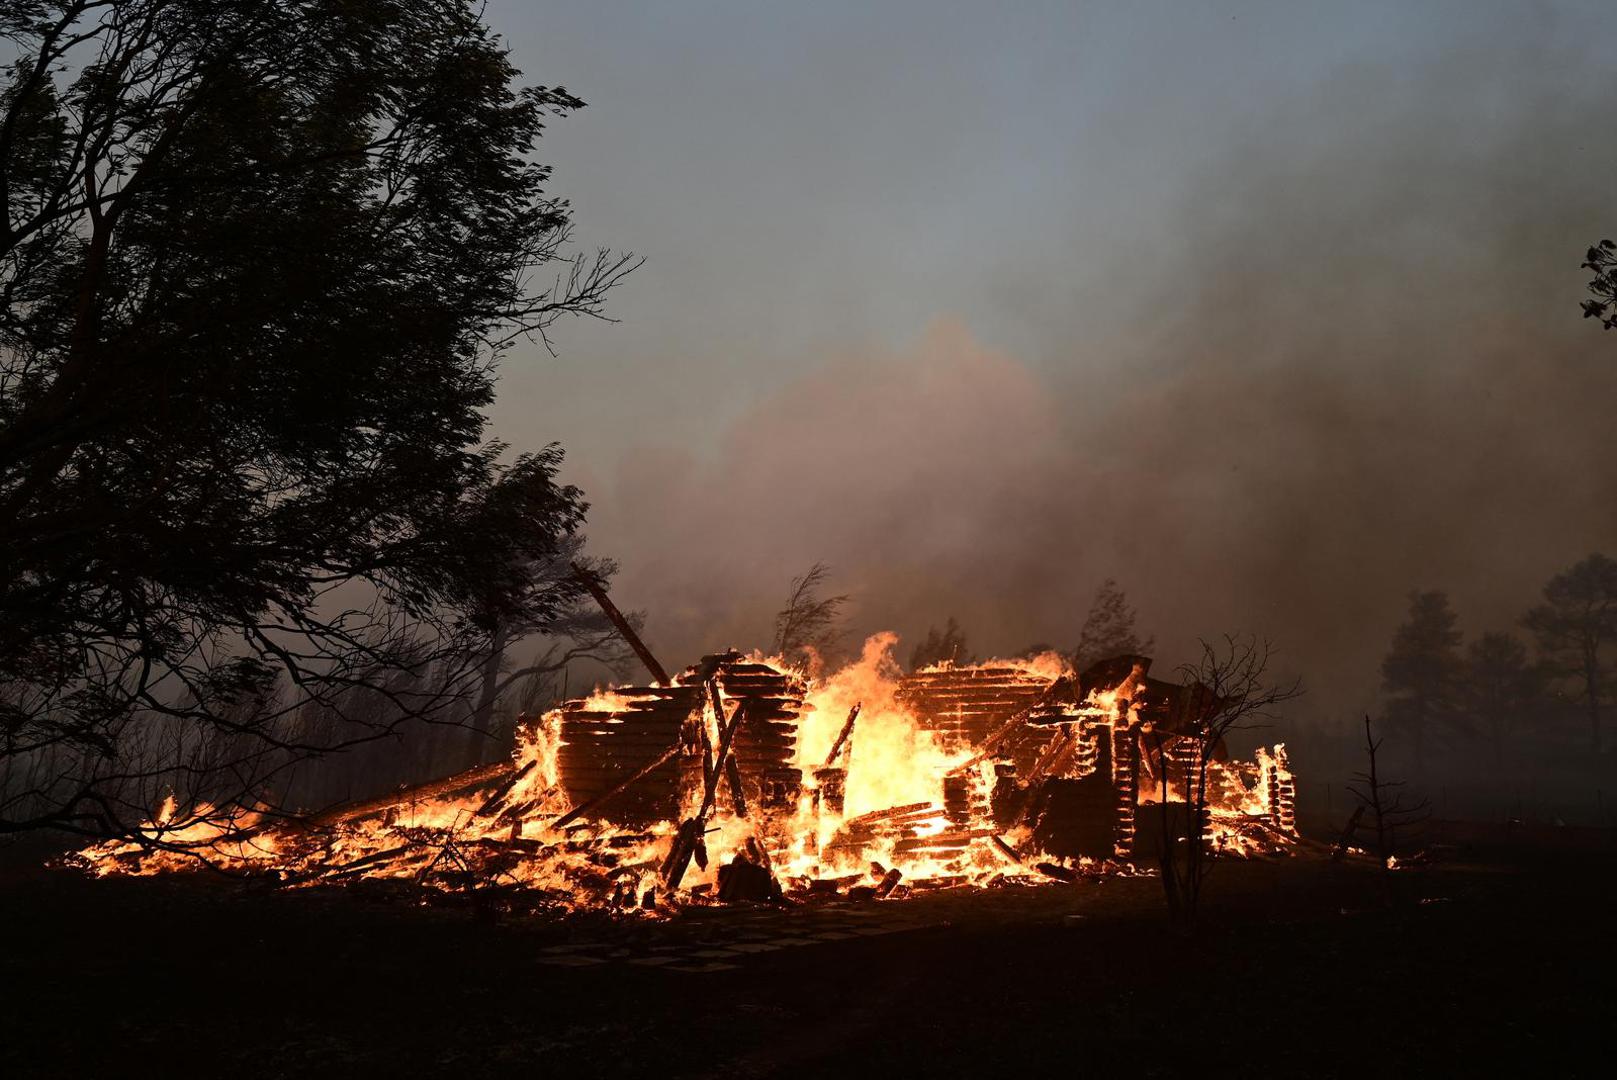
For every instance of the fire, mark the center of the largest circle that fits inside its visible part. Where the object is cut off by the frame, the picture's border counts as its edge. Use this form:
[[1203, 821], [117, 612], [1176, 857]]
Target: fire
[[746, 779]]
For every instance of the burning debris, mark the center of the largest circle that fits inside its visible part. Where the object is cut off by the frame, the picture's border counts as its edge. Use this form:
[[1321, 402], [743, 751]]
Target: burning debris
[[743, 779]]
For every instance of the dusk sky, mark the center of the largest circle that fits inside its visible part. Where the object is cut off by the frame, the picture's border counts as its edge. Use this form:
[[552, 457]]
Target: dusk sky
[[982, 305]]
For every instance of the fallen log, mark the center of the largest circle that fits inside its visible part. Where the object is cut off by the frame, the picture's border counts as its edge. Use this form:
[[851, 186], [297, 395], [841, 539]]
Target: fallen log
[[376, 858], [504, 789], [471, 779], [1347, 835]]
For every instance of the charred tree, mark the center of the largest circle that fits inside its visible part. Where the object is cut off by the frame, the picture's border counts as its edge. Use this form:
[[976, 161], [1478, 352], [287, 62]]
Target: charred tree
[[1392, 813], [1230, 689]]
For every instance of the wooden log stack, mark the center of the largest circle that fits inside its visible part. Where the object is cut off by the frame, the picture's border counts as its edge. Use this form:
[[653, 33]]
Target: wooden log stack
[[964, 706], [601, 748]]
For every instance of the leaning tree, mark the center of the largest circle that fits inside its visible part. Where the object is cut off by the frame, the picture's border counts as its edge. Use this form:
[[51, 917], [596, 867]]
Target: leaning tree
[[258, 262]]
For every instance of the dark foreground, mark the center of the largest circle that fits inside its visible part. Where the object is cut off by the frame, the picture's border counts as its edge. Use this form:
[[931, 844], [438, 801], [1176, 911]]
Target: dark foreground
[[1297, 971]]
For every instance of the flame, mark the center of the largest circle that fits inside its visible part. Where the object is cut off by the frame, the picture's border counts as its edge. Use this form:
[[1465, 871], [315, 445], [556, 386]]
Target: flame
[[897, 802]]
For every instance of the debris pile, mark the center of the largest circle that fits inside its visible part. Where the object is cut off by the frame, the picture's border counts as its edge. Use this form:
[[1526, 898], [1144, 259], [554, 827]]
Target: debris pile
[[743, 780]]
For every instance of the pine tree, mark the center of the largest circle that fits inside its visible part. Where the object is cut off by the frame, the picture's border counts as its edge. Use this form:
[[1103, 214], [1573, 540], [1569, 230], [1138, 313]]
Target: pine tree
[[1109, 629], [1573, 627], [947, 645], [1501, 686], [1421, 673]]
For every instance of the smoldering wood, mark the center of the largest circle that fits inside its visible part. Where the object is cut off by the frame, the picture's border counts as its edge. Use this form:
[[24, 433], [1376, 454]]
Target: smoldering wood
[[495, 801], [469, 780]]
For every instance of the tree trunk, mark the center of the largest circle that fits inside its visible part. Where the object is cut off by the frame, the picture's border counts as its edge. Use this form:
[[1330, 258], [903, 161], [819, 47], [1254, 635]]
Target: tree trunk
[[1594, 723], [1591, 688], [1420, 743], [483, 714]]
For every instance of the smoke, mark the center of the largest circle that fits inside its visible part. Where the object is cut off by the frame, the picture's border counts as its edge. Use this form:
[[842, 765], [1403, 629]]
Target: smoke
[[1351, 365]]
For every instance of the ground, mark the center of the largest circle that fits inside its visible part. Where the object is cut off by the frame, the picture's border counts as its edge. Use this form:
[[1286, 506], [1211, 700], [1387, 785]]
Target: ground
[[1499, 958]]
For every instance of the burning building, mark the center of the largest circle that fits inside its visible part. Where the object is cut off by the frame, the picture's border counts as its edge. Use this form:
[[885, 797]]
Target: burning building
[[743, 778]]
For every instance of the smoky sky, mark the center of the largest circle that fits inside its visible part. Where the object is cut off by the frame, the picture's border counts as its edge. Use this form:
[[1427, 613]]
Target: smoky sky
[[1268, 311]]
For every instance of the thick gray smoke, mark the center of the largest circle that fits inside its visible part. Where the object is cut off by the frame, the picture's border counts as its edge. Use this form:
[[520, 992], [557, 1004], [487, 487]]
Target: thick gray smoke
[[1353, 365]]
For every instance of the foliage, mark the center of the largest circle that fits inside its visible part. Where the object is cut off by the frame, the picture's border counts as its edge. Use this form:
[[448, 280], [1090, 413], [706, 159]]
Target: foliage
[[1422, 671], [258, 263], [1573, 628], [1602, 259], [942, 646], [1501, 685], [556, 609], [1109, 629], [808, 621]]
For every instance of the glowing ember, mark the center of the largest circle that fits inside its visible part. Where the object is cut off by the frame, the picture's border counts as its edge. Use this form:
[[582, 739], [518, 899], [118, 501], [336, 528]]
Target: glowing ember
[[744, 778]]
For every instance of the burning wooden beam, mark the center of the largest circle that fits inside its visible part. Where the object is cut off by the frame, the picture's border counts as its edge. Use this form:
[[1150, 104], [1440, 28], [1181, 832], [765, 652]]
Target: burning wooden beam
[[592, 583], [689, 837], [842, 736], [732, 771]]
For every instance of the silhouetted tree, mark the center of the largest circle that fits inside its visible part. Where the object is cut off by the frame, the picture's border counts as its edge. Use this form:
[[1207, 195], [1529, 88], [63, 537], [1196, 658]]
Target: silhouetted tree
[[1501, 686], [556, 610], [1572, 628], [258, 261], [1109, 629], [948, 644], [1421, 673], [1393, 813], [809, 621]]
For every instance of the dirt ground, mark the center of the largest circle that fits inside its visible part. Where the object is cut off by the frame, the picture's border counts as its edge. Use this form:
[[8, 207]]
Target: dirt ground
[[1500, 958]]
